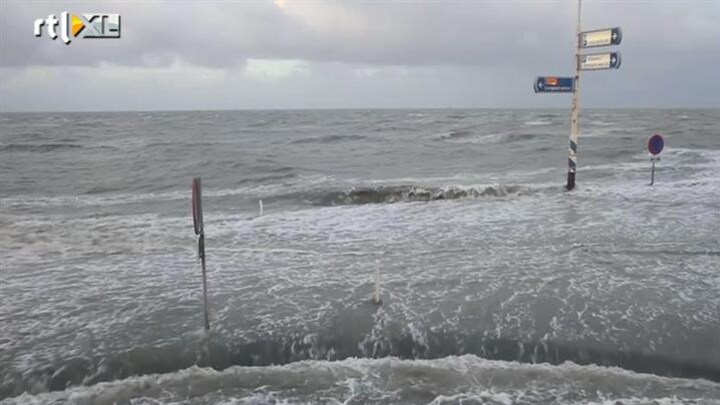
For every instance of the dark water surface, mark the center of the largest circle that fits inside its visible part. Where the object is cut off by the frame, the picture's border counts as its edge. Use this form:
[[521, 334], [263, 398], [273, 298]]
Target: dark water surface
[[498, 286]]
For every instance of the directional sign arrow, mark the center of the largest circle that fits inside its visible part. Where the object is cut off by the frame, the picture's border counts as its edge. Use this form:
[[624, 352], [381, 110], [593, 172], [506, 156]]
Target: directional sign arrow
[[554, 84], [603, 37], [599, 61]]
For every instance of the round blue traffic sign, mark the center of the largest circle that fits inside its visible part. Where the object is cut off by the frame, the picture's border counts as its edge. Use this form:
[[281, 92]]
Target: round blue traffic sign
[[656, 144]]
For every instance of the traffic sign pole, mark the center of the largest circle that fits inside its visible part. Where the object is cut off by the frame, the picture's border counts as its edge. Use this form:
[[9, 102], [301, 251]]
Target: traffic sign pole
[[575, 113], [200, 232], [655, 146], [652, 174]]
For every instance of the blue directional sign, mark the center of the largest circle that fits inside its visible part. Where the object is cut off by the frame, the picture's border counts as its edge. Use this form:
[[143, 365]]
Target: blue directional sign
[[604, 37], [656, 144], [552, 84], [597, 61]]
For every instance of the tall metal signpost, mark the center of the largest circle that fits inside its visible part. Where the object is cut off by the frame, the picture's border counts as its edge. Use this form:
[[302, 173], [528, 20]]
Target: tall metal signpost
[[597, 61]]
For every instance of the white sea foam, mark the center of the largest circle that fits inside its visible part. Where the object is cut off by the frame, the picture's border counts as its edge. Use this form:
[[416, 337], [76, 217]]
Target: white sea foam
[[533, 123], [443, 381], [104, 286]]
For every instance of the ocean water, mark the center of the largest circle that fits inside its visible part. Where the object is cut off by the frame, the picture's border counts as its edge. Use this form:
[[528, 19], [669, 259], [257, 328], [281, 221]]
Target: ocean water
[[498, 286]]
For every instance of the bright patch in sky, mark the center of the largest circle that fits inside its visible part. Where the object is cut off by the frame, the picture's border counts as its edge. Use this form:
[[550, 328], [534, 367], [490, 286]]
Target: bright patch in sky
[[274, 68]]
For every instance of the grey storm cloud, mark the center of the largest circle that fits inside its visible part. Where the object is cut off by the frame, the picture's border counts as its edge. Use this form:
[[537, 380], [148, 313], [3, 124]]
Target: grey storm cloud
[[226, 33], [494, 47], [400, 33]]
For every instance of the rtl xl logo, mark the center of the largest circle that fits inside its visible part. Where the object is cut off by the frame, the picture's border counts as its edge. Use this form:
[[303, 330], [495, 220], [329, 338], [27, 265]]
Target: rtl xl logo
[[93, 25]]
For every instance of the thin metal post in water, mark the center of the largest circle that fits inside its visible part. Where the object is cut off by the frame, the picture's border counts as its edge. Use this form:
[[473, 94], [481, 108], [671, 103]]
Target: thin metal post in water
[[204, 279], [575, 113], [652, 174], [200, 232], [261, 207], [377, 300]]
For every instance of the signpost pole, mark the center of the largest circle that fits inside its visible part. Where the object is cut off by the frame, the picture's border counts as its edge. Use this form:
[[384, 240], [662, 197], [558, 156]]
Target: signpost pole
[[652, 174], [200, 232], [593, 61], [204, 280], [575, 113]]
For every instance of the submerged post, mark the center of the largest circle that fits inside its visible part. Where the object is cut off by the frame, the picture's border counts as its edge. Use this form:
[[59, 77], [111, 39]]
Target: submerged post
[[200, 232], [652, 174], [377, 299], [575, 113]]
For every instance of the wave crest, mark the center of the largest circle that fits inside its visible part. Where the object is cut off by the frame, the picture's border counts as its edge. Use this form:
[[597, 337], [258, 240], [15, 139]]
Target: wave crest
[[220, 353], [410, 193], [47, 147]]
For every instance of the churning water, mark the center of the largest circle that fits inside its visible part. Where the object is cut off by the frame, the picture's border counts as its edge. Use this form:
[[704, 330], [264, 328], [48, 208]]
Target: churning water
[[498, 285]]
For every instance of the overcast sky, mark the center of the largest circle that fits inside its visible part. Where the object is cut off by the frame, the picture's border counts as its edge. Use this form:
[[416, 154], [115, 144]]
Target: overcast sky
[[342, 54]]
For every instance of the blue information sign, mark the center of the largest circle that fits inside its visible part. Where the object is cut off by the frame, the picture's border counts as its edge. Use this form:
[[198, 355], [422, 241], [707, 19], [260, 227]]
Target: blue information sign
[[656, 144], [551, 84]]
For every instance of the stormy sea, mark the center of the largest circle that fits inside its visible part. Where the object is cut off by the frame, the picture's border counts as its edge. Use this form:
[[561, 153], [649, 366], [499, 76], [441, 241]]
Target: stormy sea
[[498, 286]]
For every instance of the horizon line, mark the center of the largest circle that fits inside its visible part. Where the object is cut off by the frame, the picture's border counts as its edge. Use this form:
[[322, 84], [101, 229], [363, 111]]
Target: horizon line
[[345, 109]]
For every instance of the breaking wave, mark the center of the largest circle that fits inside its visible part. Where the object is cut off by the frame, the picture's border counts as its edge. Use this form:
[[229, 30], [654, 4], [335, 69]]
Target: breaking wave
[[533, 123], [410, 193], [458, 134], [98, 196], [465, 379], [468, 136], [219, 353], [47, 147], [329, 139]]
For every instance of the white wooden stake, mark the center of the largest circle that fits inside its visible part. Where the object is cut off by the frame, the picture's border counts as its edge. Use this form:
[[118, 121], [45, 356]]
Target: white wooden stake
[[261, 208]]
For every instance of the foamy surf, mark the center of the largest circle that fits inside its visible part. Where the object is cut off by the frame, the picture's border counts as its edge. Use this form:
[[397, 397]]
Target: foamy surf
[[498, 286], [451, 380]]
